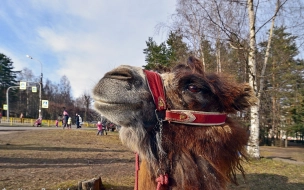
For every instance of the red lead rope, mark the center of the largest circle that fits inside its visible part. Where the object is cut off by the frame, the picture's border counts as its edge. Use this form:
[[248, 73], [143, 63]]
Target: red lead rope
[[162, 180], [136, 170]]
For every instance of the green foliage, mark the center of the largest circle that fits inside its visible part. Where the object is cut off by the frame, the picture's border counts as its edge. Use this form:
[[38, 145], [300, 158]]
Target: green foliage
[[7, 76], [297, 115], [167, 54], [209, 55], [282, 82], [177, 49], [155, 54]]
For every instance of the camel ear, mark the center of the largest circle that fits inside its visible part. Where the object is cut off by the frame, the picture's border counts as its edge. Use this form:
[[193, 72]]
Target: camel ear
[[246, 99], [195, 65]]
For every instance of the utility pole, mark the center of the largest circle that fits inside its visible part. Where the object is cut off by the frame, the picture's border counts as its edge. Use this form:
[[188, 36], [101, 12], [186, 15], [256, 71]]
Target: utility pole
[[7, 102]]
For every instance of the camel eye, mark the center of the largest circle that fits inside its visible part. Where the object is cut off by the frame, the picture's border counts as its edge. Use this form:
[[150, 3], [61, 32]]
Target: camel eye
[[193, 88]]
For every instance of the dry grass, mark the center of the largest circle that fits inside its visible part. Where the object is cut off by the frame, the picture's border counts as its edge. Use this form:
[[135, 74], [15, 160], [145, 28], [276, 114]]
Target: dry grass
[[55, 159], [269, 174], [60, 158]]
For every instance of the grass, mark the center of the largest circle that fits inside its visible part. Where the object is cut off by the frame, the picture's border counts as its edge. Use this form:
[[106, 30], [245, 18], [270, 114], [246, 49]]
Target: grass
[[269, 174], [55, 159]]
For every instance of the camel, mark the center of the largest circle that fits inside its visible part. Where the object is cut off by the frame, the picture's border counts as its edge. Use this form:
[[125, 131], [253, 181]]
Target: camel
[[178, 123]]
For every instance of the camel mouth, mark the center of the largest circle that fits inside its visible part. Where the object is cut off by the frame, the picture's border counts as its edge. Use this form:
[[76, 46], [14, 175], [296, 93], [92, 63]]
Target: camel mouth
[[102, 102], [115, 104]]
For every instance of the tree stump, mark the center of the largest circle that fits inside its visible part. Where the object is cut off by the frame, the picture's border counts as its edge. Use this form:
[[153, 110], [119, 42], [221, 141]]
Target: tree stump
[[92, 184]]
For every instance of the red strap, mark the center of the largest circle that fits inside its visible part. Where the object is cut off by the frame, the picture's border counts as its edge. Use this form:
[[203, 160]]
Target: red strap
[[196, 117], [155, 84], [136, 170]]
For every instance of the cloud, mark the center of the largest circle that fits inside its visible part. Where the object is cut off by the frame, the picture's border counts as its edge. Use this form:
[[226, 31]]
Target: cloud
[[83, 39], [17, 62]]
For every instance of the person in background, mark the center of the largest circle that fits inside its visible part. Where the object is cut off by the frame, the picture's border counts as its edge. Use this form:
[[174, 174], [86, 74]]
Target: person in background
[[56, 122], [104, 129], [38, 122], [80, 121], [21, 118], [59, 118], [77, 120], [0, 115], [70, 123], [99, 128], [104, 125], [65, 118]]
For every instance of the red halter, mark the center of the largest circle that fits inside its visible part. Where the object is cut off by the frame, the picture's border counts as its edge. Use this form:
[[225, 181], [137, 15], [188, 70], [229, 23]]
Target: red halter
[[156, 87], [188, 117]]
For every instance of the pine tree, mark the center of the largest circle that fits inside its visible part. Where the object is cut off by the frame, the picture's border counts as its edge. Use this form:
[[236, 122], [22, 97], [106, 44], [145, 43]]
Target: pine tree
[[7, 77], [156, 55], [177, 50], [167, 54], [283, 75]]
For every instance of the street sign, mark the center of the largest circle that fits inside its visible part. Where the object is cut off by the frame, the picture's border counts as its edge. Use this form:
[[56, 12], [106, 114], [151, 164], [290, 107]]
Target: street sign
[[22, 85], [34, 89], [45, 103], [4, 106]]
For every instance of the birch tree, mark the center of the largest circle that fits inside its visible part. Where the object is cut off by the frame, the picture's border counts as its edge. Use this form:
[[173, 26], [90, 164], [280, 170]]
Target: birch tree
[[203, 21], [235, 22], [253, 144]]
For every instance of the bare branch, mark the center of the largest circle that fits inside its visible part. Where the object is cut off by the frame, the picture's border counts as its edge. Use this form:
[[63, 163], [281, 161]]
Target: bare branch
[[275, 14]]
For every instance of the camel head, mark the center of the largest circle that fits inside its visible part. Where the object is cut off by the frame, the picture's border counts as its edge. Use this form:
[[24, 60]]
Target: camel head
[[123, 96]]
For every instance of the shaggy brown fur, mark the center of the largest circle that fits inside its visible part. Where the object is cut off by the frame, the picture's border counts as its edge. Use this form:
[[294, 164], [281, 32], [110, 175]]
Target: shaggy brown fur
[[194, 157]]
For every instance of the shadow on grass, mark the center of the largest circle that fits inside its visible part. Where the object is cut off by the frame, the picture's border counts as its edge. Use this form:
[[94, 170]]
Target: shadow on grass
[[40, 148], [280, 157], [12, 130], [265, 181], [18, 163], [252, 182], [285, 159], [107, 187]]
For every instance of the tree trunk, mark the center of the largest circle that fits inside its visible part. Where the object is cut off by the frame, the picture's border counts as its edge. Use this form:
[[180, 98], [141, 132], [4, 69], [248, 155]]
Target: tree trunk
[[286, 140], [264, 70], [267, 51], [274, 123], [218, 60], [253, 143], [203, 57]]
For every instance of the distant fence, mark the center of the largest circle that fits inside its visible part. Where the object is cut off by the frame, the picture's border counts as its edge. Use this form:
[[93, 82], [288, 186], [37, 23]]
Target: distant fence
[[15, 121]]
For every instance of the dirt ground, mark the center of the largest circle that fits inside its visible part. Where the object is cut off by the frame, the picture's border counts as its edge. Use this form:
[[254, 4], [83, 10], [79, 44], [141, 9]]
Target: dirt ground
[[58, 159], [293, 154]]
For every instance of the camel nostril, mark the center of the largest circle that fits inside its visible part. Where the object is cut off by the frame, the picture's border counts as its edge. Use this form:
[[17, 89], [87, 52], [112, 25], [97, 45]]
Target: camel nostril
[[120, 74]]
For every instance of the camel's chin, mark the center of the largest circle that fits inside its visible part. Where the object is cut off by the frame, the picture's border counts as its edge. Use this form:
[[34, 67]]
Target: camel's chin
[[117, 109], [122, 115], [117, 105]]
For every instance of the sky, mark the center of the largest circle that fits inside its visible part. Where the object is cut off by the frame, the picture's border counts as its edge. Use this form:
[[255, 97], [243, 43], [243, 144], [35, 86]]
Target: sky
[[79, 39]]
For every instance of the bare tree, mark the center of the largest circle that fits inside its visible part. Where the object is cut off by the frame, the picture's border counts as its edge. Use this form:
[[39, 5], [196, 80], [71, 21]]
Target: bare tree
[[213, 21], [84, 102], [27, 100], [238, 23]]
